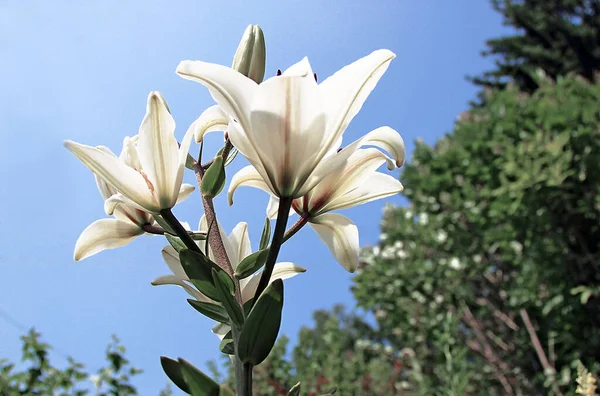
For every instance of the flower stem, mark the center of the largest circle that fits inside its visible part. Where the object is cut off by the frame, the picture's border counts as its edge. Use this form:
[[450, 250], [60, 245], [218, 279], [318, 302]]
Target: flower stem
[[296, 227], [246, 380], [282, 217], [181, 232]]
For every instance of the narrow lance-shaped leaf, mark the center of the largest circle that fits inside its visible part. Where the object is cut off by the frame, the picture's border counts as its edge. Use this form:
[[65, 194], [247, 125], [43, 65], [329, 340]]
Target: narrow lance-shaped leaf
[[266, 235], [213, 311], [260, 330], [226, 297], [199, 384], [198, 268], [173, 370], [175, 242], [214, 178], [251, 264], [226, 346]]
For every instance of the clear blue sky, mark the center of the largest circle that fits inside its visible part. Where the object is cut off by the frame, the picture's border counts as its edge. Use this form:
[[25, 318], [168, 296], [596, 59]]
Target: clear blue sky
[[81, 70]]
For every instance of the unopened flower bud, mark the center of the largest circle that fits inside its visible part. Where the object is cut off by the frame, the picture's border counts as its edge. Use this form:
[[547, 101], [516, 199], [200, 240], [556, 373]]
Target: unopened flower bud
[[251, 54]]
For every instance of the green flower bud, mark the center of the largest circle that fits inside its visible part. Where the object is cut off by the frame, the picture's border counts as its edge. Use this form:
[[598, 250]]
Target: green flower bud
[[251, 54]]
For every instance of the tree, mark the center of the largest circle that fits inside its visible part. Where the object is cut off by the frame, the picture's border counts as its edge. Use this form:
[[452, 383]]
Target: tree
[[556, 36], [492, 273], [40, 377]]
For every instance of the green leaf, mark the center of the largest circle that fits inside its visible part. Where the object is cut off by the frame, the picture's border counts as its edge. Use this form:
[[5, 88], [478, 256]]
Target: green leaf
[[213, 311], [266, 235], [221, 281], [190, 162], [198, 268], [226, 346], [260, 330], [295, 390], [248, 306], [251, 264], [173, 370], [175, 242], [214, 178], [199, 384]]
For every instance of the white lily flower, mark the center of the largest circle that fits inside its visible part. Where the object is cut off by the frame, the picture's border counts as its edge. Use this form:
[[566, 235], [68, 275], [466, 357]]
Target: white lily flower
[[238, 247], [127, 224], [356, 183], [289, 126], [154, 182]]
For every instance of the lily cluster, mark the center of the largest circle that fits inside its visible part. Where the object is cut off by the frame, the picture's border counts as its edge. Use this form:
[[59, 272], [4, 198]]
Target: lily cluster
[[290, 129]]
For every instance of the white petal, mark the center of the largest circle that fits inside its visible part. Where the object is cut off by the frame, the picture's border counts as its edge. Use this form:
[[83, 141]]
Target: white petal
[[345, 91], [158, 150], [126, 180], [119, 201], [183, 154], [300, 69], [341, 237], [184, 192], [285, 271], [389, 140], [105, 190], [212, 119], [273, 207], [231, 90], [287, 130], [104, 234], [171, 257], [129, 154], [221, 330], [345, 186], [240, 241], [174, 280], [281, 271], [247, 176], [379, 186]]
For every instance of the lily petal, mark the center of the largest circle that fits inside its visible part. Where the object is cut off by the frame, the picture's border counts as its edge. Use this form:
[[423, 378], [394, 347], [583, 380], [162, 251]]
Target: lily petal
[[345, 91], [174, 280], [379, 186], [340, 235], [389, 140], [171, 257], [104, 234], [116, 173], [281, 271], [158, 150], [287, 130], [247, 176], [212, 119], [240, 241], [230, 89], [129, 153], [299, 69], [184, 192]]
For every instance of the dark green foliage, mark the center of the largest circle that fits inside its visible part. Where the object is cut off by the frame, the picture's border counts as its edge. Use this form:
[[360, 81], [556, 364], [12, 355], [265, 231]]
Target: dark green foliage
[[40, 377], [557, 36], [503, 229]]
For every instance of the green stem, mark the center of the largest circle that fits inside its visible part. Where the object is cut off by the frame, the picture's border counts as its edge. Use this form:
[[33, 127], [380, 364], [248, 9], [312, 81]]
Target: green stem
[[282, 217], [247, 379], [181, 232]]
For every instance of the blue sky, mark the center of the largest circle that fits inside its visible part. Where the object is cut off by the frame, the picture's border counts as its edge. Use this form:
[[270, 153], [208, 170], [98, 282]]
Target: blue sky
[[82, 71]]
